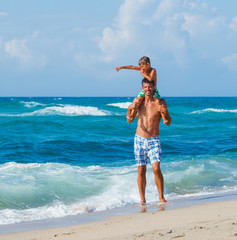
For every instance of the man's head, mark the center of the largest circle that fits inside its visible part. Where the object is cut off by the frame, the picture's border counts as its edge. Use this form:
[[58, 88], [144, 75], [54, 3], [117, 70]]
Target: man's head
[[144, 63], [148, 87]]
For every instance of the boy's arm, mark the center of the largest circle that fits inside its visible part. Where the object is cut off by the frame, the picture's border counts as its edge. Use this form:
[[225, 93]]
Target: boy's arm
[[131, 67], [149, 77]]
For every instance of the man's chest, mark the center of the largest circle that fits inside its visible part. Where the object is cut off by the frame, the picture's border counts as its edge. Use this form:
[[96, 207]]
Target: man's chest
[[148, 112]]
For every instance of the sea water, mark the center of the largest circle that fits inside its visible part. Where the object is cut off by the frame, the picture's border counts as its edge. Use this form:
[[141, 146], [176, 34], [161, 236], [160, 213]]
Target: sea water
[[68, 156]]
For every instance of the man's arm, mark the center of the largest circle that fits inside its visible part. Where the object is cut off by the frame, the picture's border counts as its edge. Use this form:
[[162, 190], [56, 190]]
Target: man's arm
[[131, 67], [164, 112], [131, 113]]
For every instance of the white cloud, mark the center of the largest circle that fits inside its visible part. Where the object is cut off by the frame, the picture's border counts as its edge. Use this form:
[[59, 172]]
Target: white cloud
[[196, 5], [175, 29], [231, 61], [233, 24], [25, 51], [172, 40], [17, 48], [3, 14], [166, 9], [162, 29], [124, 31], [198, 25], [35, 34], [204, 5]]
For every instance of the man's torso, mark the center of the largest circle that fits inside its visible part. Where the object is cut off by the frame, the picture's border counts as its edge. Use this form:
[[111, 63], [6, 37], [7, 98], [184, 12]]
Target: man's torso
[[148, 120]]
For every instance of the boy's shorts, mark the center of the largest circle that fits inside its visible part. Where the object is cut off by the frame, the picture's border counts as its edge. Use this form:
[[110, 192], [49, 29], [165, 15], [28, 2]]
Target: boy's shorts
[[155, 94], [145, 148]]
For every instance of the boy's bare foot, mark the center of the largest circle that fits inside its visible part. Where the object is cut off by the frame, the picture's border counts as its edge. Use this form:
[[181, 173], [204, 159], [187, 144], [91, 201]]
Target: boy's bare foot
[[137, 102], [157, 100]]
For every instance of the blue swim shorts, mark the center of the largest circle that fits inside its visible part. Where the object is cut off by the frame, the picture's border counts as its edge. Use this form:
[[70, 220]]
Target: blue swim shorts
[[145, 148]]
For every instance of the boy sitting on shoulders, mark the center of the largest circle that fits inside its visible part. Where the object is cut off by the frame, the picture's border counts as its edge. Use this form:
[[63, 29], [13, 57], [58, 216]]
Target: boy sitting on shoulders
[[147, 72]]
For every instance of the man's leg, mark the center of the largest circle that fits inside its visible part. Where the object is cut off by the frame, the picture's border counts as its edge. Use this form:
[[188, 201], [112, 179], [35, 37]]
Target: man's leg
[[159, 180], [141, 182]]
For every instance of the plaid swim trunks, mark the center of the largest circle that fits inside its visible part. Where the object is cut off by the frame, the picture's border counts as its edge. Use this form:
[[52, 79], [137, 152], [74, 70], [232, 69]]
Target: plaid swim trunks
[[145, 148]]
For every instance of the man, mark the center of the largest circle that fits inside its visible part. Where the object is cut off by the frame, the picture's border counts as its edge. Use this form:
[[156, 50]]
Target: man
[[147, 141]]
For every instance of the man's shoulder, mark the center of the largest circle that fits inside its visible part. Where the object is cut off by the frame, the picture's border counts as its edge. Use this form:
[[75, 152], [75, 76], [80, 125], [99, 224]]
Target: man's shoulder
[[163, 102]]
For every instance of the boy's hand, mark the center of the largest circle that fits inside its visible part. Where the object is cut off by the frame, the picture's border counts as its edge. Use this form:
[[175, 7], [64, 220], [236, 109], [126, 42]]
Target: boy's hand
[[117, 68]]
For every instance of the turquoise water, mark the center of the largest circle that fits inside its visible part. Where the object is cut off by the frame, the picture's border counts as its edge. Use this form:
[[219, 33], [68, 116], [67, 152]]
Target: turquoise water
[[66, 156]]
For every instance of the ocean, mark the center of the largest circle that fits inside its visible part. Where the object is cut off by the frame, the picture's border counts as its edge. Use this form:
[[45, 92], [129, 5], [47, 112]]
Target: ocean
[[66, 156]]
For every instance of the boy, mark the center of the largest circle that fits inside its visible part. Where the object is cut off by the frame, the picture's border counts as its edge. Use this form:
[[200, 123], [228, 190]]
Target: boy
[[147, 72]]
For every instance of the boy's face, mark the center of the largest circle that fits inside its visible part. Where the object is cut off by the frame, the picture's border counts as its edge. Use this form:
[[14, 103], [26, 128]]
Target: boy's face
[[145, 67]]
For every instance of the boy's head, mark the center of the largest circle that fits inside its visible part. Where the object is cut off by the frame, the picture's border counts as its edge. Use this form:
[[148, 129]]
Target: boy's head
[[144, 61]]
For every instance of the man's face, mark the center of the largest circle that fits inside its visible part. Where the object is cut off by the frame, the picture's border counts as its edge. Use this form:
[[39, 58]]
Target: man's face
[[148, 89]]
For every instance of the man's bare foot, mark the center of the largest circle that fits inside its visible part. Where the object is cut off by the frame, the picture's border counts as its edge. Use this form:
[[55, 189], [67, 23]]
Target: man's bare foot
[[143, 202], [162, 200]]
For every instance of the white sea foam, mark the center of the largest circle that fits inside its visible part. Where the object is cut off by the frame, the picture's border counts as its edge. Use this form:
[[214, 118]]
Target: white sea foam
[[32, 104], [178, 176], [215, 110], [63, 110], [204, 193], [107, 188], [93, 188], [69, 110], [120, 105]]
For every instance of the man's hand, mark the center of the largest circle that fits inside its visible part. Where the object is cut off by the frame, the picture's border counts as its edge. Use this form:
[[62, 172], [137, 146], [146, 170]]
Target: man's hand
[[132, 111], [162, 108]]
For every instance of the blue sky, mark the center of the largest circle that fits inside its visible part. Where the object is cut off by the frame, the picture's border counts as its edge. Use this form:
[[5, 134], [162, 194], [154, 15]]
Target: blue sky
[[70, 48]]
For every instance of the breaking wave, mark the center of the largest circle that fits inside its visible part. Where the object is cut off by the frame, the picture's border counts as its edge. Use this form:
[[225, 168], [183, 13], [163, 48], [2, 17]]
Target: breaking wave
[[123, 105], [64, 110], [32, 104], [215, 110]]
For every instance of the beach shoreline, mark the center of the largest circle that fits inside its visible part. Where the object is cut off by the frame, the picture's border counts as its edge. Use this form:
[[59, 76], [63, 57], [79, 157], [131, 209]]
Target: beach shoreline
[[103, 218]]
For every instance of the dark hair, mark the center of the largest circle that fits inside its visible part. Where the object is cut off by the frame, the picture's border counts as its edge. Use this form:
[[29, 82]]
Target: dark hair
[[144, 60], [145, 80]]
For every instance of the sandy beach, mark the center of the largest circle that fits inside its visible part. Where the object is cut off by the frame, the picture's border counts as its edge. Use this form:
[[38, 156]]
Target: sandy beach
[[216, 220]]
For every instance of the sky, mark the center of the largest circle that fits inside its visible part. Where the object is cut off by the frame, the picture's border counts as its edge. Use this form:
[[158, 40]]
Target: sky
[[70, 48]]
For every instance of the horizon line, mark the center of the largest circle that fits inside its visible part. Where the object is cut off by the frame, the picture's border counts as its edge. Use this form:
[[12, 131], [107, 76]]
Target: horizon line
[[109, 96]]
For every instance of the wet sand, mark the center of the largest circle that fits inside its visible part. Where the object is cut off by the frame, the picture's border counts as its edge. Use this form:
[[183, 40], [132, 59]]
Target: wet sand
[[203, 218]]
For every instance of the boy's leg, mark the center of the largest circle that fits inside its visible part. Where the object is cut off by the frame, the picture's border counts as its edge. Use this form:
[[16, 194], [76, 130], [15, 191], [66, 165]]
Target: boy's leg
[[156, 96], [138, 101], [157, 100]]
